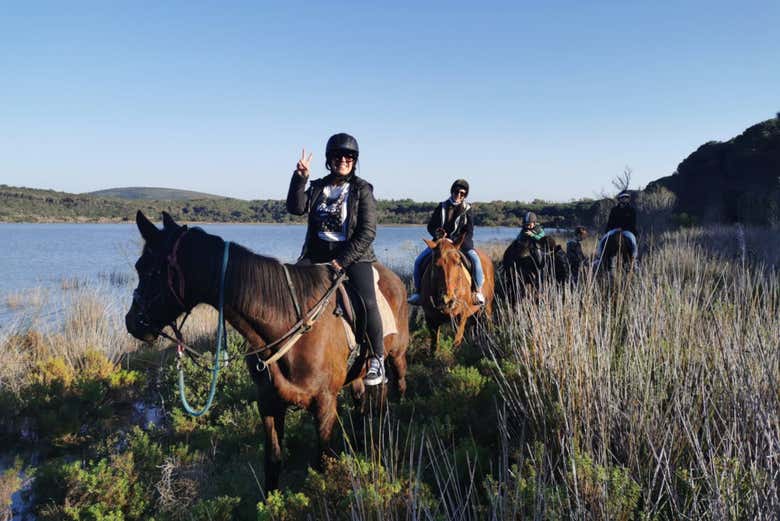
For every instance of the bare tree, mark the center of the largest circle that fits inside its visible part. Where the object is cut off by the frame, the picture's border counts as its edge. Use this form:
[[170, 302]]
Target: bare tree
[[623, 181]]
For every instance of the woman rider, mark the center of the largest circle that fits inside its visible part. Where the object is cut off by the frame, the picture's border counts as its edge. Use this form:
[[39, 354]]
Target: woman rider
[[341, 229], [452, 219], [533, 233]]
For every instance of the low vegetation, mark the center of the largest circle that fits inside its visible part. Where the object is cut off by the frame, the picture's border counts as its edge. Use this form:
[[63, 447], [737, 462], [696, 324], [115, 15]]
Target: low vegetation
[[652, 396]]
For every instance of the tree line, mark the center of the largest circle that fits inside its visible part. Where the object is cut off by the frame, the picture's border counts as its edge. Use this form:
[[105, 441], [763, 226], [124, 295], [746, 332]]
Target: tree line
[[34, 205]]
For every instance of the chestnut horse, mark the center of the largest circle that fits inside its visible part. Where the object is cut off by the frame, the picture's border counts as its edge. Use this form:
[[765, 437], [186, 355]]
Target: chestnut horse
[[180, 268], [446, 289]]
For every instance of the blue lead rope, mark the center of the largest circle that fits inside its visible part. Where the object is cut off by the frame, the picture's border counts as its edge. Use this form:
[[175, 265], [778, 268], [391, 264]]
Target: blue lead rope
[[220, 334]]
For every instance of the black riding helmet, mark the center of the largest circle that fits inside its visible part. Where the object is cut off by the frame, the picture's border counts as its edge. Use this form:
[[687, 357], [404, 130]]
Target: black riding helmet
[[462, 184], [341, 143]]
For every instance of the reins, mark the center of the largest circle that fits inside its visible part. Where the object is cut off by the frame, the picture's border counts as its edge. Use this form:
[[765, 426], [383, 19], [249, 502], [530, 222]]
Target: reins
[[302, 326], [220, 337]]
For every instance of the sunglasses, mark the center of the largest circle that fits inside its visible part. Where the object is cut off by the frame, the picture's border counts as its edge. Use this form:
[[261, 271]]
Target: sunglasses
[[346, 156], [459, 192]]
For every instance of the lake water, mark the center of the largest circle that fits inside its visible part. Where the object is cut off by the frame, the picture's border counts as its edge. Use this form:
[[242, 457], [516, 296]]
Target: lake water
[[41, 261]]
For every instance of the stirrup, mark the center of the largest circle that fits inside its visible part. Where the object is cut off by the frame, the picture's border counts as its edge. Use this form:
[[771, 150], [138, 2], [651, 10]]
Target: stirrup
[[414, 299]]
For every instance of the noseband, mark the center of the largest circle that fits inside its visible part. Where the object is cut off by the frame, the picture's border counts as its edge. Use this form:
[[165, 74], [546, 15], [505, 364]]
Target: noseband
[[172, 266]]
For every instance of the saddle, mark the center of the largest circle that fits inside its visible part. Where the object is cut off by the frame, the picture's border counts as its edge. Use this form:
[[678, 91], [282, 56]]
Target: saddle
[[351, 308]]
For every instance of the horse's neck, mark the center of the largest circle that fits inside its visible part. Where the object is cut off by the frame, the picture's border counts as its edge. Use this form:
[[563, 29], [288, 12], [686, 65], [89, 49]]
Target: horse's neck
[[200, 264], [259, 297]]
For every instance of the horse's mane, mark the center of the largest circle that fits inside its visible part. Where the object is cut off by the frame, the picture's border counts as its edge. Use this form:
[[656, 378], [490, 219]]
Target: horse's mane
[[259, 283]]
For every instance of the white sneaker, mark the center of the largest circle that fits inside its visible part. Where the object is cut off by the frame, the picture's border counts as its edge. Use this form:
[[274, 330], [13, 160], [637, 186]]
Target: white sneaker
[[376, 371], [480, 298]]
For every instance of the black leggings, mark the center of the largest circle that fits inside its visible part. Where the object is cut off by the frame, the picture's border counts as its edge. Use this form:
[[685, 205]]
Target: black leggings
[[361, 275]]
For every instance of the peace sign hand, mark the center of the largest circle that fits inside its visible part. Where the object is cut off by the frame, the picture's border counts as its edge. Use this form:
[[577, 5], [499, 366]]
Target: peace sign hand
[[302, 168]]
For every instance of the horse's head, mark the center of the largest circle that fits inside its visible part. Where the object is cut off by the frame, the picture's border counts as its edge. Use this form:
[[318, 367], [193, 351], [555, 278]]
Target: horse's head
[[449, 280], [156, 302]]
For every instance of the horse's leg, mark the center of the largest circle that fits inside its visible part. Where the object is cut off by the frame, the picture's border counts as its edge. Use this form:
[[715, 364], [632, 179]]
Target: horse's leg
[[399, 365], [273, 421], [434, 338], [325, 414], [461, 331], [359, 395], [358, 416]]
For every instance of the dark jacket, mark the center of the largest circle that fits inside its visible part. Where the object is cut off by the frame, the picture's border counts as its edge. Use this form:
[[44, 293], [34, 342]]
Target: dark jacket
[[574, 252], [361, 217], [622, 217], [456, 221]]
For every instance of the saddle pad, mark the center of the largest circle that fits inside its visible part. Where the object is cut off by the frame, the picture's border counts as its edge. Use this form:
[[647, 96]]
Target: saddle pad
[[467, 272], [389, 326]]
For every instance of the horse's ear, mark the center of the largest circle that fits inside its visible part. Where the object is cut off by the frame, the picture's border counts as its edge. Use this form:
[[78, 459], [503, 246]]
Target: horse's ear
[[431, 244], [148, 230], [168, 222]]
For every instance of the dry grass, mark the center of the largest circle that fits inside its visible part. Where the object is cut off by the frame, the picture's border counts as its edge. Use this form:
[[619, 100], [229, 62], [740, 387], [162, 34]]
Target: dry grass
[[672, 373], [87, 320], [31, 298]]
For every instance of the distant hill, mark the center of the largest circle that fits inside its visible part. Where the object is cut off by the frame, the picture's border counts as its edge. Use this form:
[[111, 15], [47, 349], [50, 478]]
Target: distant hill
[[736, 180], [149, 193]]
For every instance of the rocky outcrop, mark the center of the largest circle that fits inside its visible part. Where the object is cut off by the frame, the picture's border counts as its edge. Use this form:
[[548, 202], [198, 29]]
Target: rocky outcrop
[[733, 181]]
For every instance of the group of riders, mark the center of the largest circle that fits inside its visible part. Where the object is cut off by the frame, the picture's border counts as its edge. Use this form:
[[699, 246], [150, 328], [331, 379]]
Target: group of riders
[[342, 226]]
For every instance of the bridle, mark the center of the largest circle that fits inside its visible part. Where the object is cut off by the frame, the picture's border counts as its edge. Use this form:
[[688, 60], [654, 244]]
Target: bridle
[[286, 341], [455, 302], [172, 267]]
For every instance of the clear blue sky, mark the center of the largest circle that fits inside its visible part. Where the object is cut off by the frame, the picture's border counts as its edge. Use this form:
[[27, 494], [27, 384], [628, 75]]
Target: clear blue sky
[[526, 100]]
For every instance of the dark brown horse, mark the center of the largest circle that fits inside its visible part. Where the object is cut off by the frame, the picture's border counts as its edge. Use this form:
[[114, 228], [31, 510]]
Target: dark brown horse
[[522, 271], [446, 289], [180, 268], [617, 253]]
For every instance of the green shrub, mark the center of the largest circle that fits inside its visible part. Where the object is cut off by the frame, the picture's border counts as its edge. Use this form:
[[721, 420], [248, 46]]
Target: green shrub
[[284, 506], [68, 404], [103, 490], [354, 484], [605, 492]]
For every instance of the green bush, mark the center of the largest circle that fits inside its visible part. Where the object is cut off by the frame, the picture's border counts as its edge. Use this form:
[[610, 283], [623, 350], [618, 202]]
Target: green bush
[[284, 506], [67, 405], [105, 490]]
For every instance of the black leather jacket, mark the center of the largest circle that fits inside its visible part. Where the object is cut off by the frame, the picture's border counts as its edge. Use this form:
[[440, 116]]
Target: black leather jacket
[[361, 217], [622, 217], [458, 225]]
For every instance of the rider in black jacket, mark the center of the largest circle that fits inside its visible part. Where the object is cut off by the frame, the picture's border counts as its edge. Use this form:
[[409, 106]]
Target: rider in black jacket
[[452, 219], [622, 218], [341, 229]]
